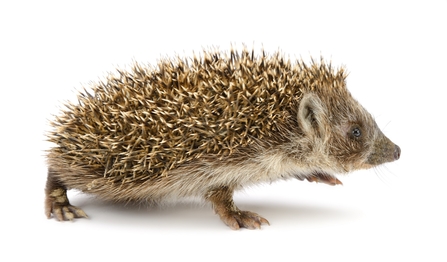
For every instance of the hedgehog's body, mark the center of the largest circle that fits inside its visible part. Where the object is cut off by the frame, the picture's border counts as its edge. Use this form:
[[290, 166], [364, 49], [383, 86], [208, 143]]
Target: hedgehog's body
[[207, 127]]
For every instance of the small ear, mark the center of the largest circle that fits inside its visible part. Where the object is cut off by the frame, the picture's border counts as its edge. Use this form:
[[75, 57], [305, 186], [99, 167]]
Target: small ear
[[310, 114]]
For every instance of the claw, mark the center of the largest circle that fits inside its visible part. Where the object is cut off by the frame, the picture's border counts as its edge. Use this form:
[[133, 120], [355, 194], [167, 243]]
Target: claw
[[322, 178]]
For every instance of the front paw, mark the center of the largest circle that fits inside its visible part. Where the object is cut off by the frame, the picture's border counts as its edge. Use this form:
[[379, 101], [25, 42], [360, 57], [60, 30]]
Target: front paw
[[323, 178], [237, 219]]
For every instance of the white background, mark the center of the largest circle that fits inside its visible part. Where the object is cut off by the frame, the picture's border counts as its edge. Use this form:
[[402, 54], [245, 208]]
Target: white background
[[395, 52]]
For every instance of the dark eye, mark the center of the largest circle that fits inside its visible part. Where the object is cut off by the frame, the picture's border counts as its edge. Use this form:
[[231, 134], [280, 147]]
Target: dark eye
[[356, 132]]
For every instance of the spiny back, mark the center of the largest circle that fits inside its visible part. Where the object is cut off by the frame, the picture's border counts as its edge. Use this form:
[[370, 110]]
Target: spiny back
[[146, 122]]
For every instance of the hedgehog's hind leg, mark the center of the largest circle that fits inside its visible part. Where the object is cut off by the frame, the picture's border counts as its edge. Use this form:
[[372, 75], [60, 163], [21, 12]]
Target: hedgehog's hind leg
[[222, 200], [56, 201]]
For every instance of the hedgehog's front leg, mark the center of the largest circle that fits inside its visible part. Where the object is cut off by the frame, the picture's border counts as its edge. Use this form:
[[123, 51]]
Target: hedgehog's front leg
[[222, 200], [324, 178], [56, 201]]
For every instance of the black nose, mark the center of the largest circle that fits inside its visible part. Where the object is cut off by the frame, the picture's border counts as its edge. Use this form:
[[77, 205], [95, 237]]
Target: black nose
[[396, 152]]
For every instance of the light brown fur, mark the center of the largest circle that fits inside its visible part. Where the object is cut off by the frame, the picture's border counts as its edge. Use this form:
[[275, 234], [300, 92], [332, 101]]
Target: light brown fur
[[206, 127]]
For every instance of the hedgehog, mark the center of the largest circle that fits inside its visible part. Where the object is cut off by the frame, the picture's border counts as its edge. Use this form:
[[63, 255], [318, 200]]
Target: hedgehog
[[206, 126]]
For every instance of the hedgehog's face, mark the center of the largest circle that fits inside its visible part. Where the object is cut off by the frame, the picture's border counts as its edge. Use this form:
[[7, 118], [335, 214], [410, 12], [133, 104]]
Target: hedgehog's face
[[344, 135]]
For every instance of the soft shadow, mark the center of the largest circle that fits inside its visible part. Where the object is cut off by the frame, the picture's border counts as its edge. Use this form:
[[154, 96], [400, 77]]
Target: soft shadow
[[293, 213], [196, 216]]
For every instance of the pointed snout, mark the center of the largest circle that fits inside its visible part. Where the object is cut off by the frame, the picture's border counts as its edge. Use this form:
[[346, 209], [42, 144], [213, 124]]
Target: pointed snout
[[383, 151], [396, 152]]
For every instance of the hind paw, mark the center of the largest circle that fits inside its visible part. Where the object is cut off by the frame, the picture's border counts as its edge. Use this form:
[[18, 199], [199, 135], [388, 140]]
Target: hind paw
[[66, 212], [57, 204]]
